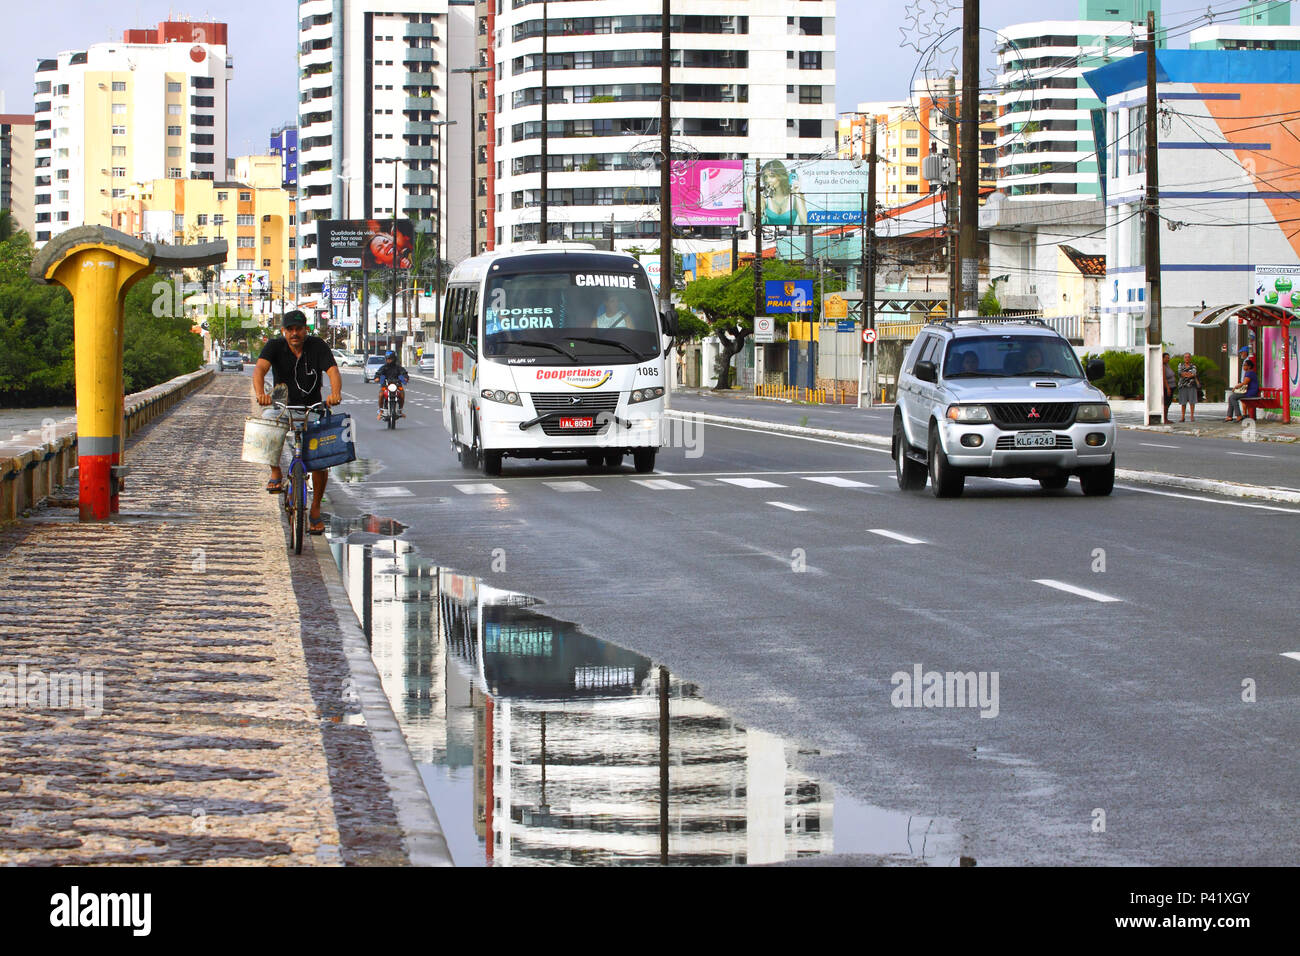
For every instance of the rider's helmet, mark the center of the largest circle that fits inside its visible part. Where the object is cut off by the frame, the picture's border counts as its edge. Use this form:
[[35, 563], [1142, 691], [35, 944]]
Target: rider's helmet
[[390, 356]]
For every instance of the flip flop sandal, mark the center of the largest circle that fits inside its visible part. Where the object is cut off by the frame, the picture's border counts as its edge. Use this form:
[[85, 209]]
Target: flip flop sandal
[[315, 527], [275, 486]]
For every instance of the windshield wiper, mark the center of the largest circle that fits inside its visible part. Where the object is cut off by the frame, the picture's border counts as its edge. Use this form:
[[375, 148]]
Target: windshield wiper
[[600, 341], [545, 345]]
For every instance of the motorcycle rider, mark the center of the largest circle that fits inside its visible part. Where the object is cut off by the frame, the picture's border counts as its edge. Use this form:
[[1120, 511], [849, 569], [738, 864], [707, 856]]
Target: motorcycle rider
[[392, 371]]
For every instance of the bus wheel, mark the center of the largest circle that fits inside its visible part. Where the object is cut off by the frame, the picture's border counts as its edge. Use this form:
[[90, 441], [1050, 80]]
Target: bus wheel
[[613, 460], [492, 463], [595, 462], [644, 460]]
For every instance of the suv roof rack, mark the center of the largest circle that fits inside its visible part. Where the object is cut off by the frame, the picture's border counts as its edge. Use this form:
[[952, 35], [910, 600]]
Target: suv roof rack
[[989, 320]]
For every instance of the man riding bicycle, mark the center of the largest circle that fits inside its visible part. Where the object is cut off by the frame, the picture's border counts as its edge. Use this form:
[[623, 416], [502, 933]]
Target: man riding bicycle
[[300, 362], [392, 371]]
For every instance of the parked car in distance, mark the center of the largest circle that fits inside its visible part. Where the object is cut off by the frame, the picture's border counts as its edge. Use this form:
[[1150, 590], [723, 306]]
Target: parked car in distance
[[373, 364], [427, 363], [344, 358], [230, 359]]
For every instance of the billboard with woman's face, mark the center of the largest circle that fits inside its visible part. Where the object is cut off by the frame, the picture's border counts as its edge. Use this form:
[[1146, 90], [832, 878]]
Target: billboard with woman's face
[[368, 244]]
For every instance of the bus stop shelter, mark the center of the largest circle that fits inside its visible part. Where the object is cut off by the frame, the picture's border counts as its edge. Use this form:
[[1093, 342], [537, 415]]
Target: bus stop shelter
[[1275, 345]]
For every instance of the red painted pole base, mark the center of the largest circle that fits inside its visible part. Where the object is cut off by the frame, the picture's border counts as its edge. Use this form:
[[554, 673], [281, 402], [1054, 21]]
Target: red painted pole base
[[95, 487]]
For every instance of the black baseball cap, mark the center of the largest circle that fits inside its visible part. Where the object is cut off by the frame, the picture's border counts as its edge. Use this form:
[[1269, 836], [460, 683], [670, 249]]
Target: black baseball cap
[[295, 317]]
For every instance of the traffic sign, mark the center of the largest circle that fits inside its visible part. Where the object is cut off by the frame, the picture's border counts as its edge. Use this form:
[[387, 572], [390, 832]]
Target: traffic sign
[[764, 330], [869, 336]]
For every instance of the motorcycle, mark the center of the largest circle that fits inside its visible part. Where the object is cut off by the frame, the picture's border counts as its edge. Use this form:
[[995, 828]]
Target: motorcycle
[[392, 411]]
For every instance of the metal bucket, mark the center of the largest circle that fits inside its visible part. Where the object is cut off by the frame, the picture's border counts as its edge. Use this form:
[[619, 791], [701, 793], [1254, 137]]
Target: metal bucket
[[263, 440]]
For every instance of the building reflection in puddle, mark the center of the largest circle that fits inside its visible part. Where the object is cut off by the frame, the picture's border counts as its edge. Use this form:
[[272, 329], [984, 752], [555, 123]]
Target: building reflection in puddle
[[542, 745]]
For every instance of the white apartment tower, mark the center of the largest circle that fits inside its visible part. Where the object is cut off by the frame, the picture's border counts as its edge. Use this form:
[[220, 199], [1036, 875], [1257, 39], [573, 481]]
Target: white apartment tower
[[150, 107], [750, 78], [373, 82]]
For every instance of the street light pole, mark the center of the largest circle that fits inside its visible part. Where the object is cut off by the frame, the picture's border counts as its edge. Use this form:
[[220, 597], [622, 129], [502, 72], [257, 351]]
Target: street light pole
[[544, 225], [473, 156], [437, 240]]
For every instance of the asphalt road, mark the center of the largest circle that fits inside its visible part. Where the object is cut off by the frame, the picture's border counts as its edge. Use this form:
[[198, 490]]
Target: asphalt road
[[1121, 706]]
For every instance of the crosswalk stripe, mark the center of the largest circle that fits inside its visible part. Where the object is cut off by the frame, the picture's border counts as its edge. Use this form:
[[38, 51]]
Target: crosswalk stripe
[[661, 484], [570, 486], [750, 483], [837, 482], [782, 504], [483, 488], [391, 491]]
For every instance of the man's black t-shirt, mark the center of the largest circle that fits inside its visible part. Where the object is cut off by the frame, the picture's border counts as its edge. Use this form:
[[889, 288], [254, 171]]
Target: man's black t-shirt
[[303, 374]]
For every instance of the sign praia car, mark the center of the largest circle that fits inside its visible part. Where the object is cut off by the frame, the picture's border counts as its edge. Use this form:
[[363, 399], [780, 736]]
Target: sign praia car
[[789, 295]]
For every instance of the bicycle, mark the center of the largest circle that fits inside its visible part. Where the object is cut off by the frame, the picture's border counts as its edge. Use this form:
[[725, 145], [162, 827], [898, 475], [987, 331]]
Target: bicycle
[[295, 480]]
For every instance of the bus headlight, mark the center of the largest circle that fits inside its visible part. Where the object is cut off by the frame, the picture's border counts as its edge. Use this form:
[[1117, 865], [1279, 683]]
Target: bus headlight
[[645, 395], [498, 395]]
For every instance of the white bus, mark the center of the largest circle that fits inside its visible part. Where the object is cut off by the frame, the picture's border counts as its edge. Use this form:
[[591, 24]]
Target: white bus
[[553, 351]]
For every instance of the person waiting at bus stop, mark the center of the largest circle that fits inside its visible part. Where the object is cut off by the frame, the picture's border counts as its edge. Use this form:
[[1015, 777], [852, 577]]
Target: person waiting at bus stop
[[392, 371], [299, 362]]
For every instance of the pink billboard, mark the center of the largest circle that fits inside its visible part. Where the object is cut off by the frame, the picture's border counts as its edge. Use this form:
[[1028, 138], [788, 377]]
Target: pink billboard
[[707, 192]]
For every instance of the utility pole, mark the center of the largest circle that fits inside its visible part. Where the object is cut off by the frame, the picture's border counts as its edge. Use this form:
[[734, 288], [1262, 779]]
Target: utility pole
[[970, 164], [437, 245], [544, 227], [867, 388], [951, 202], [760, 304], [1154, 409], [666, 175], [392, 313], [470, 72]]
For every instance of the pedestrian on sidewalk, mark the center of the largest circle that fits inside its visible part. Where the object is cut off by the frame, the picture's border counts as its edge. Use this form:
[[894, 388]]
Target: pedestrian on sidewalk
[[1171, 382], [1248, 387], [1189, 383]]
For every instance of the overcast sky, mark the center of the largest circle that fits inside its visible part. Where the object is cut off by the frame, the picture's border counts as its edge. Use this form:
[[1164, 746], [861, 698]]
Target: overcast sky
[[871, 64]]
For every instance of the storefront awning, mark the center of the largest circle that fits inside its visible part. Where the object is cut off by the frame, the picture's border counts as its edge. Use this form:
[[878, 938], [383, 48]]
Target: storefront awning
[[1249, 311]]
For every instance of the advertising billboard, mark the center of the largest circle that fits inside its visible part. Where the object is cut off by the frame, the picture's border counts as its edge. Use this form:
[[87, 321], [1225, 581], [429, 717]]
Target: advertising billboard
[[364, 243], [707, 192], [808, 192], [789, 296]]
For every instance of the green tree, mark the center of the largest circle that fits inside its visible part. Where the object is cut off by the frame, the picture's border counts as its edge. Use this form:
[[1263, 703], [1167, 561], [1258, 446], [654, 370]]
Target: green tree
[[36, 365], [989, 304]]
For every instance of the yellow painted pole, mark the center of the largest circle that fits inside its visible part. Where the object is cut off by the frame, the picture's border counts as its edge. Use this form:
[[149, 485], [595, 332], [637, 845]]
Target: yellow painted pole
[[98, 279]]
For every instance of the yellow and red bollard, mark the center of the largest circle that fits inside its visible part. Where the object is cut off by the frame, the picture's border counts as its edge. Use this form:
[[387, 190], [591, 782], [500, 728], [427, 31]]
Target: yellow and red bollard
[[98, 266]]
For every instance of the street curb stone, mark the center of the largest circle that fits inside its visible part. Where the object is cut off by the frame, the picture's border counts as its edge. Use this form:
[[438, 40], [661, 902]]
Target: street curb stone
[[422, 833], [1230, 489]]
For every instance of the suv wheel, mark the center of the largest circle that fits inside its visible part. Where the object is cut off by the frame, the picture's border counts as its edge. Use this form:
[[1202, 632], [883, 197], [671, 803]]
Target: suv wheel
[[910, 474], [1099, 480], [945, 480], [1054, 482]]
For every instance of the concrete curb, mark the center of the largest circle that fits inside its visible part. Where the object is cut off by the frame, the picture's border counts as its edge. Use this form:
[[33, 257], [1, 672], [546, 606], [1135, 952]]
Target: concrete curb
[[421, 832], [1230, 489]]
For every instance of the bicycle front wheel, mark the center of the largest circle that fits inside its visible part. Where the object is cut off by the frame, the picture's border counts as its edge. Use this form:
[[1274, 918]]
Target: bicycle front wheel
[[299, 506]]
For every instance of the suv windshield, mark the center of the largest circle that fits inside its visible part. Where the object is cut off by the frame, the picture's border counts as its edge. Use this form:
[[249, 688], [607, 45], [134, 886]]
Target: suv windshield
[[1010, 355], [570, 316]]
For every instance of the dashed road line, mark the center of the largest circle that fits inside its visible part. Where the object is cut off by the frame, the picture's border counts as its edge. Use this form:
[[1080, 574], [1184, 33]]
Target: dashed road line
[[1081, 592], [569, 486], [1294, 655], [836, 482], [482, 488], [391, 491], [1246, 454], [661, 484], [750, 483], [787, 507], [895, 536], [1151, 444]]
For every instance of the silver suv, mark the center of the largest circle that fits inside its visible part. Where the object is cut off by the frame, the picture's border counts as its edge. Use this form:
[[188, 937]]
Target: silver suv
[[1000, 400]]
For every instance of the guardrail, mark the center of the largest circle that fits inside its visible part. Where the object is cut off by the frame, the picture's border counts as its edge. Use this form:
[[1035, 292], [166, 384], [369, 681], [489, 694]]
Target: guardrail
[[32, 466], [798, 393]]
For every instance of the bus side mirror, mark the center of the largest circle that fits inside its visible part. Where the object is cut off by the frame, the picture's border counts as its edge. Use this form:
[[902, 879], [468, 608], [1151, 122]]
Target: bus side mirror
[[668, 318]]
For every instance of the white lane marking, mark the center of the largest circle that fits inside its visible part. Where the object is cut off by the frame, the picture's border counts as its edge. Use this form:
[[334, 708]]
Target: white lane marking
[[1081, 592], [661, 484], [750, 483], [480, 489], [896, 536], [1213, 501], [1294, 655], [1246, 454], [819, 441], [570, 486], [1151, 444], [782, 504], [838, 482], [389, 491], [621, 475]]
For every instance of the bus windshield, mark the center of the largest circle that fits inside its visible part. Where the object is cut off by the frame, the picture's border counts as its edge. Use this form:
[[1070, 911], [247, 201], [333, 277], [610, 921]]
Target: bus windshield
[[550, 318]]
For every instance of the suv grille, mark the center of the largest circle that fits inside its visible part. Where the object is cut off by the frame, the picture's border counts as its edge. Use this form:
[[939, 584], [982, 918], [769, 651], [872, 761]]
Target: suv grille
[[590, 403], [1032, 414]]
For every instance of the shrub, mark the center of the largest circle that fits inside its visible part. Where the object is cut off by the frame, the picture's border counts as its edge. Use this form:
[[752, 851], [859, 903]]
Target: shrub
[[1124, 374]]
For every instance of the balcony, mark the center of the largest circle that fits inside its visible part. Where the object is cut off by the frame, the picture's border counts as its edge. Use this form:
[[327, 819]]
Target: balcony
[[419, 177], [419, 152], [424, 80], [419, 31], [418, 129], [421, 103], [419, 55], [417, 202]]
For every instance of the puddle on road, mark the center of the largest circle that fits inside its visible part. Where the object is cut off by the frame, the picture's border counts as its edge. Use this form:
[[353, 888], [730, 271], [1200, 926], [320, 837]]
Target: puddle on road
[[354, 471], [543, 745]]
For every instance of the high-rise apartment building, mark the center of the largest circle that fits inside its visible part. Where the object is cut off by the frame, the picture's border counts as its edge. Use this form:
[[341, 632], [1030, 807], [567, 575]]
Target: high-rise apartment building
[[150, 107], [1264, 25], [374, 88], [284, 144], [750, 79], [1045, 135], [16, 144]]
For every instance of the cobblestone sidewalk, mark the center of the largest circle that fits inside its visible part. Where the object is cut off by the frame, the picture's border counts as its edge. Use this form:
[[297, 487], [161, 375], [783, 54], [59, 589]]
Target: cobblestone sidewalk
[[227, 735]]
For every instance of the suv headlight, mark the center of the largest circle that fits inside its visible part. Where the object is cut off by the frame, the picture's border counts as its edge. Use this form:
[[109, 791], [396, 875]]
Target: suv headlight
[[1095, 412], [968, 413], [497, 395], [645, 395]]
